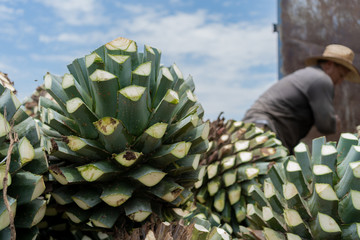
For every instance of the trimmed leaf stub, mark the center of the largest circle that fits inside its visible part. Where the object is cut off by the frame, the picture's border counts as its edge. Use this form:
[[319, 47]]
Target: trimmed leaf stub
[[2, 176], [138, 209], [134, 93], [328, 223], [122, 44], [107, 125], [4, 126], [26, 151], [90, 172], [117, 193], [143, 69], [92, 58], [73, 104], [171, 97], [127, 158], [75, 143], [181, 149], [157, 130], [119, 58], [68, 81], [325, 191], [292, 218], [101, 75], [148, 175]]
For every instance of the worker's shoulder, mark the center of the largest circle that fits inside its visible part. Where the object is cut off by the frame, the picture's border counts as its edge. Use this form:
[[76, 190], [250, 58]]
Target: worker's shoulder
[[312, 76], [311, 72]]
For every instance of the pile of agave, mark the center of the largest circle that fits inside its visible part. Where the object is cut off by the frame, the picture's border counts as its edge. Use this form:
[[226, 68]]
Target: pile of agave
[[118, 149]]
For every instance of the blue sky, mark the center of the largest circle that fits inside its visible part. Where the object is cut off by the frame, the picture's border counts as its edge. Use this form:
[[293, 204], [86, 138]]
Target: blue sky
[[226, 45]]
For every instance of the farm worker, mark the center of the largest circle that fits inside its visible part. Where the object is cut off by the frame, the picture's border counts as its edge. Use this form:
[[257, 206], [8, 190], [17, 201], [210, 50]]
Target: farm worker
[[305, 97]]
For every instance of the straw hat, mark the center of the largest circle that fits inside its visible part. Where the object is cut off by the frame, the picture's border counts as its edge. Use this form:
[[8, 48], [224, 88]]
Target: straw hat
[[341, 55]]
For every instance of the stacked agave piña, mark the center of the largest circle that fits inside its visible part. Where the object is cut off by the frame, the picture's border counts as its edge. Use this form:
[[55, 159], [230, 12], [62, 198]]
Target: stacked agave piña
[[239, 156], [28, 163], [312, 196], [126, 136]]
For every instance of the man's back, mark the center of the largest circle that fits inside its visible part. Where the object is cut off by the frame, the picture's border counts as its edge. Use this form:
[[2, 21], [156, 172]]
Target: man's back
[[295, 103]]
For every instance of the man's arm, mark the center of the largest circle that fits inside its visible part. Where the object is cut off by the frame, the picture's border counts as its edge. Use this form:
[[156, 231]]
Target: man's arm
[[321, 96]]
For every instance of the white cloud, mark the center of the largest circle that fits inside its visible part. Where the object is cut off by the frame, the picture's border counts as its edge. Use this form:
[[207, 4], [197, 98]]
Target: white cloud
[[8, 30], [230, 3], [218, 55], [175, 1], [6, 68], [79, 12], [52, 58], [7, 13], [181, 3], [72, 38], [11, 22]]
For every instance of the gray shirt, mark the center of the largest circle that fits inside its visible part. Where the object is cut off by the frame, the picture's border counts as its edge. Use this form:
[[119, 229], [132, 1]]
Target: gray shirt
[[295, 103]]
